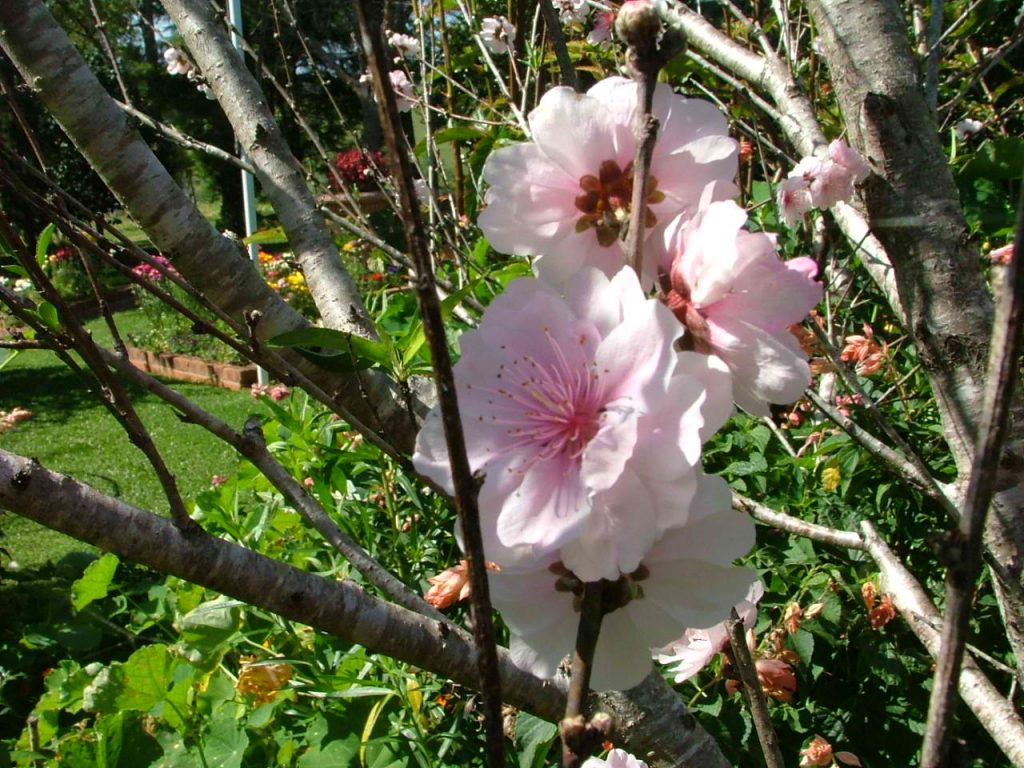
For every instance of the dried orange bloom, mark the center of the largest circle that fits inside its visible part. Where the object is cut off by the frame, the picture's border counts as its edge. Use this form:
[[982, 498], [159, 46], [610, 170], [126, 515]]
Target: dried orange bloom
[[792, 617], [863, 350], [262, 680], [883, 613]]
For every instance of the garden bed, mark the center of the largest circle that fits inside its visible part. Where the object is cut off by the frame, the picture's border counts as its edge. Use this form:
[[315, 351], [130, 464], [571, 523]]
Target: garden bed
[[193, 369]]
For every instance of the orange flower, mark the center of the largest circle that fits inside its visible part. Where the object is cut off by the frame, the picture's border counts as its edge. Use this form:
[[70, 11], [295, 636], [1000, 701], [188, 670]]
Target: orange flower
[[869, 594], [865, 352], [818, 752], [883, 614], [777, 679], [451, 585]]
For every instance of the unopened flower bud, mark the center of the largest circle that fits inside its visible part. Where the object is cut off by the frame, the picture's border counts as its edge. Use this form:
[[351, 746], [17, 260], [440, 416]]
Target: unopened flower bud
[[651, 31]]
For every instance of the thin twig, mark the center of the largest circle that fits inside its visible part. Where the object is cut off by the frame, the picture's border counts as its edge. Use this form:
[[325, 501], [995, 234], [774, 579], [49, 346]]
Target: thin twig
[[252, 445], [465, 484], [171, 133], [754, 693], [964, 545], [795, 525]]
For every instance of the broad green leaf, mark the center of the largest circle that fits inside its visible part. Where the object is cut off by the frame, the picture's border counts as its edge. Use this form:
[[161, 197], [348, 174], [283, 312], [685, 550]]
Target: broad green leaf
[[207, 629], [224, 743], [534, 738], [336, 753], [123, 742], [48, 315], [95, 582], [803, 643], [43, 243], [146, 678]]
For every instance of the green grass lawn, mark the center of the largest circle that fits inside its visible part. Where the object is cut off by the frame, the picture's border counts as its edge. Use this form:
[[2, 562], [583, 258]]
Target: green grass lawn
[[73, 433]]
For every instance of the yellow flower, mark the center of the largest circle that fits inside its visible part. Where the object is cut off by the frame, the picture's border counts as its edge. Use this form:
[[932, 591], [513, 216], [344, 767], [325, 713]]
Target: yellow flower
[[830, 478]]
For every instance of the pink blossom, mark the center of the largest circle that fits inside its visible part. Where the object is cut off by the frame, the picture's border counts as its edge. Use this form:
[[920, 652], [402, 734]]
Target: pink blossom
[[1001, 255], [278, 392], [218, 480], [737, 300], [497, 34], [405, 96], [566, 194], [176, 61], [697, 647], [685, 580], [148, 272], [585, 422], [793, 197], [818, 752], [617, 758], [259, 390], [406, 45], [846, 157], [570, 11], [601, 32]]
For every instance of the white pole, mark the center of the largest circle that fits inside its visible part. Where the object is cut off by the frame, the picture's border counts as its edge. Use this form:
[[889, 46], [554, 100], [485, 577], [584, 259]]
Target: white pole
[[248, 183]]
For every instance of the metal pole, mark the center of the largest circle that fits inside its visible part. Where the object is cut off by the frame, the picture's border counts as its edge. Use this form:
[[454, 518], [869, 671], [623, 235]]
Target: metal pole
[[248, 182]]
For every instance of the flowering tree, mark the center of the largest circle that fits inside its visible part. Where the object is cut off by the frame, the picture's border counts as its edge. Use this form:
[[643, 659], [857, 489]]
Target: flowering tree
[[668, 293]]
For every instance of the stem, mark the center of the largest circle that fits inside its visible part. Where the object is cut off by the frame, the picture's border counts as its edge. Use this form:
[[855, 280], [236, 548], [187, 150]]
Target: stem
[[577, 738], [646, 134], [755, 694], [466, 485]]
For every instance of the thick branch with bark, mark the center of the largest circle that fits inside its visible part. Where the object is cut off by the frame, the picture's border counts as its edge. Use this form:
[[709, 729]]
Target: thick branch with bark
[[660, 727], [913, 207], [280, 174], [66, 87]]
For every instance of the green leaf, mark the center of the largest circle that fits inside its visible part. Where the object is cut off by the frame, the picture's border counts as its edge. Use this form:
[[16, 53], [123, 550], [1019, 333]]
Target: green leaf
[[224, 744], [336, 753], [95, 582], [207, 629], [43, 243], [146, 678], [534, 738], [803, 643], [272, 236], [47, 313], [448, 135], [336, 350], [123, 742]]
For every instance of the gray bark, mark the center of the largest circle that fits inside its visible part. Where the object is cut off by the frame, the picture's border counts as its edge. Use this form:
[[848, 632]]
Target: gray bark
[[652, 719], [913, 207], [281, 176], [65, 86]]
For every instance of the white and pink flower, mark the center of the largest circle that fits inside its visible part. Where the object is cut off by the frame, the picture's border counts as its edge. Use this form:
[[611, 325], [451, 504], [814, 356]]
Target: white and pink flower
[[617, 758], [735, 297], [566, 195], [697, 647], [685, 580], [497, 33], [821, 183], [585, 422]]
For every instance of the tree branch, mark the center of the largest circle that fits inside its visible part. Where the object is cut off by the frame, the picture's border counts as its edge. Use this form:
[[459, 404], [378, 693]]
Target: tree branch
[[965, 547], [216, 266], [662, 728], [280, 175], [994, 712]]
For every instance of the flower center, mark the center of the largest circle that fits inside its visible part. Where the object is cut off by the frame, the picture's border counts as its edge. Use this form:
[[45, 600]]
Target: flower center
[[557, 404], [606, 198]]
